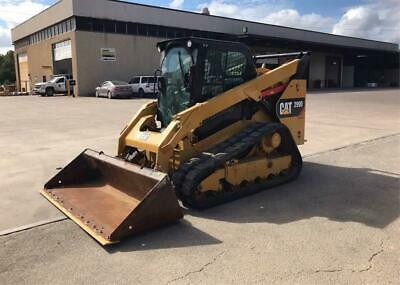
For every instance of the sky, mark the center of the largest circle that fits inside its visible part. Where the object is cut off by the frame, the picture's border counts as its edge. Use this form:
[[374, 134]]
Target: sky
[[370, 19]]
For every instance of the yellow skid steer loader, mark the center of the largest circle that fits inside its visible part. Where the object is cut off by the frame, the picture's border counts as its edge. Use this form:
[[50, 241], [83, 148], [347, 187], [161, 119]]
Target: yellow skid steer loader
[[220, 129]]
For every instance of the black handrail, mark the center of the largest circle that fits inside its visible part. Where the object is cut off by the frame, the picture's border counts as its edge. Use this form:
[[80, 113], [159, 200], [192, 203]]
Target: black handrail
[[277, 55]]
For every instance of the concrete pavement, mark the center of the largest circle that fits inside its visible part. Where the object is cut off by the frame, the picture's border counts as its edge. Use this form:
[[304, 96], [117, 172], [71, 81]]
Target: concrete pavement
[[39, 135]]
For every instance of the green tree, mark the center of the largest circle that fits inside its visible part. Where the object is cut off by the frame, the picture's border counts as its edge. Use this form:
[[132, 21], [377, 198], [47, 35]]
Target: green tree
[[7, 68]]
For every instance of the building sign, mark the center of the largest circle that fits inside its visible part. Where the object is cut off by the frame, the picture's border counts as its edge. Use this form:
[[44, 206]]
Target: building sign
[[108, 54]]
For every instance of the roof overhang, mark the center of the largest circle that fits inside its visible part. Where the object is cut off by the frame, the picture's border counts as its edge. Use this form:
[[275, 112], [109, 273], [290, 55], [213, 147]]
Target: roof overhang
[[146, 14]]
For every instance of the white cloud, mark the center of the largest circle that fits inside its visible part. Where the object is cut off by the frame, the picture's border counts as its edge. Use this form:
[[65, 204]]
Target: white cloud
[[292, 18], [271, 12], [12, 13], [176, 4], [376, 20], [5, 40], [379, 20], [4, 36], [251, 10]]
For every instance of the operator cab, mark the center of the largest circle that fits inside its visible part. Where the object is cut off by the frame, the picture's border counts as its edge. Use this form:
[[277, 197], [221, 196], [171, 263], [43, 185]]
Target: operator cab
[[194, 70]]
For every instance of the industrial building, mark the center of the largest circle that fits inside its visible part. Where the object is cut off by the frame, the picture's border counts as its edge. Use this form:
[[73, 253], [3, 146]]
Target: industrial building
[[98, 40]]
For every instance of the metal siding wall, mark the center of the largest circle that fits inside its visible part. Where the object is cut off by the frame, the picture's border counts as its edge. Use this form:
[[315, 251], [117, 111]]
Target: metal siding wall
[[135, 55], [115, 10], [317, 69]]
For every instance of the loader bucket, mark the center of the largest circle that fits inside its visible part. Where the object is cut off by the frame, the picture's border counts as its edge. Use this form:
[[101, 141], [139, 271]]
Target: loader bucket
[[110, 198]]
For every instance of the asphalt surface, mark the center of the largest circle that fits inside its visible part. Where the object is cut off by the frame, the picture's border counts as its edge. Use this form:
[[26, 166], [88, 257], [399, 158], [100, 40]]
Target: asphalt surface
[[337, 224]]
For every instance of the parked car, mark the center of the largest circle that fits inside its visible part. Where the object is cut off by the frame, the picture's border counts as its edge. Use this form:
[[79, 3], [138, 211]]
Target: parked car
[[57, 85], [144, 85], [113, 88]]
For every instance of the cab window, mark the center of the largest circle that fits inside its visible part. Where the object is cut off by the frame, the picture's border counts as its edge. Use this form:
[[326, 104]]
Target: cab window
[[223, 70]]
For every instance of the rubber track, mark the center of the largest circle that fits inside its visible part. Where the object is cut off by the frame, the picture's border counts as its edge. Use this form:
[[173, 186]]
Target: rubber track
[[187, 178]]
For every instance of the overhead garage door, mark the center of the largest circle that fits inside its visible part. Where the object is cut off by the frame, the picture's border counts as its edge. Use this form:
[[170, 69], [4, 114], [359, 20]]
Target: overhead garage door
[[23, 72]]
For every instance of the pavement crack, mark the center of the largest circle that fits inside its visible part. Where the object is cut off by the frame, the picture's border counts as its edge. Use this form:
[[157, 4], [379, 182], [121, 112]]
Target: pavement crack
[[328, 270], [32, 226], [202, 268], [371, 259], [366, 268]]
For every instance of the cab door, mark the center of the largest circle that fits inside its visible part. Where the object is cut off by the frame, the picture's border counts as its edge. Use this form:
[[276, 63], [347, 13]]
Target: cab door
[[145, 85], [151, 84], [104, 89], [60, 85], [134, 83]]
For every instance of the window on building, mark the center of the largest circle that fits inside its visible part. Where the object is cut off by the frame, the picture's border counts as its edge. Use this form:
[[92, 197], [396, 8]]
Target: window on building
[[73, 24], [179, 33], [162, 32], [65, 26], [98, 25], [120, 27], [204, 34], [196, 33], [69, 26], [109, 26], [142, 29], [152, 31], [170, 33], [84, 24], [132, 28]]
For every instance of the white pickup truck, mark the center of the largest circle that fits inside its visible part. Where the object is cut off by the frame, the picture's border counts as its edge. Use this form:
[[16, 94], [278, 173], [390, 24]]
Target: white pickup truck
[[57, 85]]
